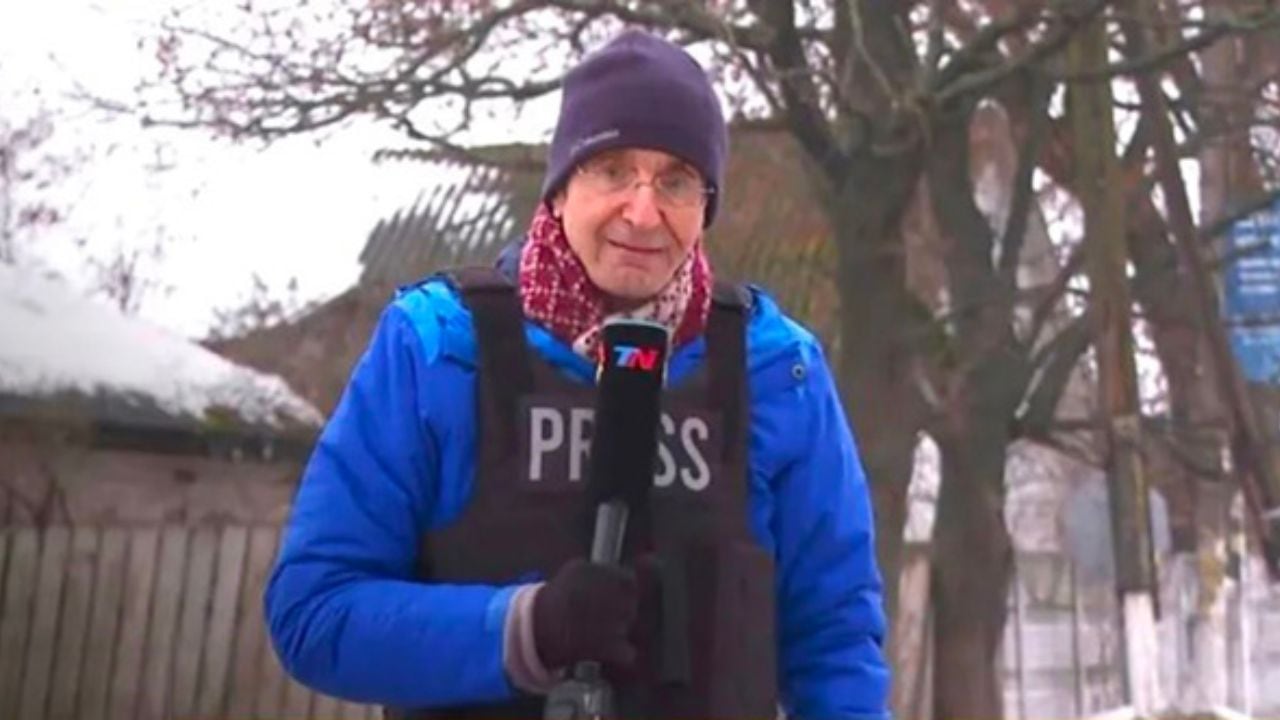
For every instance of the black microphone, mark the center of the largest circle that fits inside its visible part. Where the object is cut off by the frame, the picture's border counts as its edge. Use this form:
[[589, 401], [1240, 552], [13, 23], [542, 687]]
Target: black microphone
[[631, 372], [630, 375]]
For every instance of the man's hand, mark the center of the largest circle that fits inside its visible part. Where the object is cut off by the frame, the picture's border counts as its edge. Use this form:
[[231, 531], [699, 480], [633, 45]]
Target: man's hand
[[586, 612]]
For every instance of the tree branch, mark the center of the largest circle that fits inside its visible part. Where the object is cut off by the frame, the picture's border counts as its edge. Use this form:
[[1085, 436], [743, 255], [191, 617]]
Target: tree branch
[[856, 23], [842, 41], [693, 17], [1243, 210], [1023, 193], [1053, 365], [1213, 32], [982, 45], [935, 45], [804, 113], [979, 82], [1136, 151], [1044, 309]]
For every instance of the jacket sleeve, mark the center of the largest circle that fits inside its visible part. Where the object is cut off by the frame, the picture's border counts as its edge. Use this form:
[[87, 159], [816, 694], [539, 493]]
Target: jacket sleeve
[[345, 614], [830, 610]]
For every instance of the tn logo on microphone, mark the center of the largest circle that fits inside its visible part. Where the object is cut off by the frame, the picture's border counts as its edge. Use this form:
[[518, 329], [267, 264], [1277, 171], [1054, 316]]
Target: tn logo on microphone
[[635, 358]]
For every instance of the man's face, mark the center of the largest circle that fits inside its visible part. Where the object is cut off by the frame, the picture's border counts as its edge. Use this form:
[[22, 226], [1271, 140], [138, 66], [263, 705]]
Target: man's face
[[632, 216]]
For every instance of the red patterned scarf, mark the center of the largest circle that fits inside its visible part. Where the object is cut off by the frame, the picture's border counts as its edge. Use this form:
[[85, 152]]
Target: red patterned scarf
[[558, 295]]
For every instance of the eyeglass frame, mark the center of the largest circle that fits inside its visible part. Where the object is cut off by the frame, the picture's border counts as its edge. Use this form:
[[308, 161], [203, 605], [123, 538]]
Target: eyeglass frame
[[697, 200]]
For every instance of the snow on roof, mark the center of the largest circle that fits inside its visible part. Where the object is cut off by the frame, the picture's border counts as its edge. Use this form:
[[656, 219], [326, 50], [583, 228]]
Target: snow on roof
[[54, 341]]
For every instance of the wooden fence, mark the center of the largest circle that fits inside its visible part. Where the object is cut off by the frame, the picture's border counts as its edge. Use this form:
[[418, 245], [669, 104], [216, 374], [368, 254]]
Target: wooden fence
[[166, 622], [146, 623]]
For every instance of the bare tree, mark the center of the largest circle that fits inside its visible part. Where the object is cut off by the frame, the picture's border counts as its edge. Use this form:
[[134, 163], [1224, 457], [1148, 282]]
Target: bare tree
[[263, 308], [125, 276], [881, 97], [27, 171]]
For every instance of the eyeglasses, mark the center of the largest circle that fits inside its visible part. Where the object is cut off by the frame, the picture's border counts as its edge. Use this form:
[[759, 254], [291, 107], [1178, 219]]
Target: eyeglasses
[[676, 187]]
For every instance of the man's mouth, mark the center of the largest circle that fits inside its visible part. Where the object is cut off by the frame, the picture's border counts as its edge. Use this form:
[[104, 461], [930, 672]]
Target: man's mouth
[[640, 249]]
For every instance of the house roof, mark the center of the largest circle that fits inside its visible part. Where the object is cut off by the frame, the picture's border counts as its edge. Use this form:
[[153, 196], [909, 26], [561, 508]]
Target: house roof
[[468, 215], [71, 359]]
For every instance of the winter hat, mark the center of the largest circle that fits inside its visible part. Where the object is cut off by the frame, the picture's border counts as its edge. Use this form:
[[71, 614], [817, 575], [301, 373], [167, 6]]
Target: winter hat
[[639, 91]]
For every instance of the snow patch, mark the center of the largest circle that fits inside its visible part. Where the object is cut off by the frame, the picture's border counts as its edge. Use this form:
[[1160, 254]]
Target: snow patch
[[53, 340]]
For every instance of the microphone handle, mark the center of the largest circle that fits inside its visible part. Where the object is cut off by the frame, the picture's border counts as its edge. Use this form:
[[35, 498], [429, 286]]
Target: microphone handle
[[610, 529], [586, 695]]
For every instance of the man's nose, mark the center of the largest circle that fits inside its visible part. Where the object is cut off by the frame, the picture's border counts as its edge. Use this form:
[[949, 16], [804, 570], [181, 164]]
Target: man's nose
[[642, 209]]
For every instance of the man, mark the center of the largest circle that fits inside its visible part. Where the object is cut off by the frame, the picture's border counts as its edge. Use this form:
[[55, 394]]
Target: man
[[433, 562]]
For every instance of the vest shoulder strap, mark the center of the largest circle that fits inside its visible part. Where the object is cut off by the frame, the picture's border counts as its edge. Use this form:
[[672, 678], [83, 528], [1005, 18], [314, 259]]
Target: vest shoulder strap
[[505, 371], [479, 278], [727, 356], [731, 296]]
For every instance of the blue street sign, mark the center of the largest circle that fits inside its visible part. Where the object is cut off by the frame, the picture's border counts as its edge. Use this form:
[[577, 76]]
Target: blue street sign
[[1258, 351], [1251, 294]]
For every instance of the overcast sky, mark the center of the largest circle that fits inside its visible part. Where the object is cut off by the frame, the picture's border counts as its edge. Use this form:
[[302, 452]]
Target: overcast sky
[[300, 208]]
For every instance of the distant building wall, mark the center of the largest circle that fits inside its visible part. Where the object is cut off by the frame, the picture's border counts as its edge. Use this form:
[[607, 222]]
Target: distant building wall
[[67, 484]]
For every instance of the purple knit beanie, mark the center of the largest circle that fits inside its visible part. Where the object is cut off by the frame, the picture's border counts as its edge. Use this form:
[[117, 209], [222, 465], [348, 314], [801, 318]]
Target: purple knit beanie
[[639, 91]]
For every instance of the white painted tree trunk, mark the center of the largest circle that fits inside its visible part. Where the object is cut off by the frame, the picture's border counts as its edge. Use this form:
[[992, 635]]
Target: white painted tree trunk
[[1209, 659], [1142, 654]]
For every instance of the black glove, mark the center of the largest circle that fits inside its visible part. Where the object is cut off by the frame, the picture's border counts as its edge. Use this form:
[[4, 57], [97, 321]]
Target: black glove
[[646, 631], [586, 612]]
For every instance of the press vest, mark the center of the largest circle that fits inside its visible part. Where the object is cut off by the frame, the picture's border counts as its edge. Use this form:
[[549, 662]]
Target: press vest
[[530, 512]]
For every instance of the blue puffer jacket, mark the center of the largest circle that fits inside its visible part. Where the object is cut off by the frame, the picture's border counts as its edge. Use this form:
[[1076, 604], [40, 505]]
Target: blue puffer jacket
[[397, 458]]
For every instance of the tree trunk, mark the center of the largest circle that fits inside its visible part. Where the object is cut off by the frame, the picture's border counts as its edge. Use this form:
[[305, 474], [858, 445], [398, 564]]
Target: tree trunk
[[875, 350], [972, 565], [1090, 107], [972, 551]]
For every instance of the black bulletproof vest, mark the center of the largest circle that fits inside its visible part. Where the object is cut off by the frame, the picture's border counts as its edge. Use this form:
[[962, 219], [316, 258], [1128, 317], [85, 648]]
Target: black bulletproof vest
[[529, 512]]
